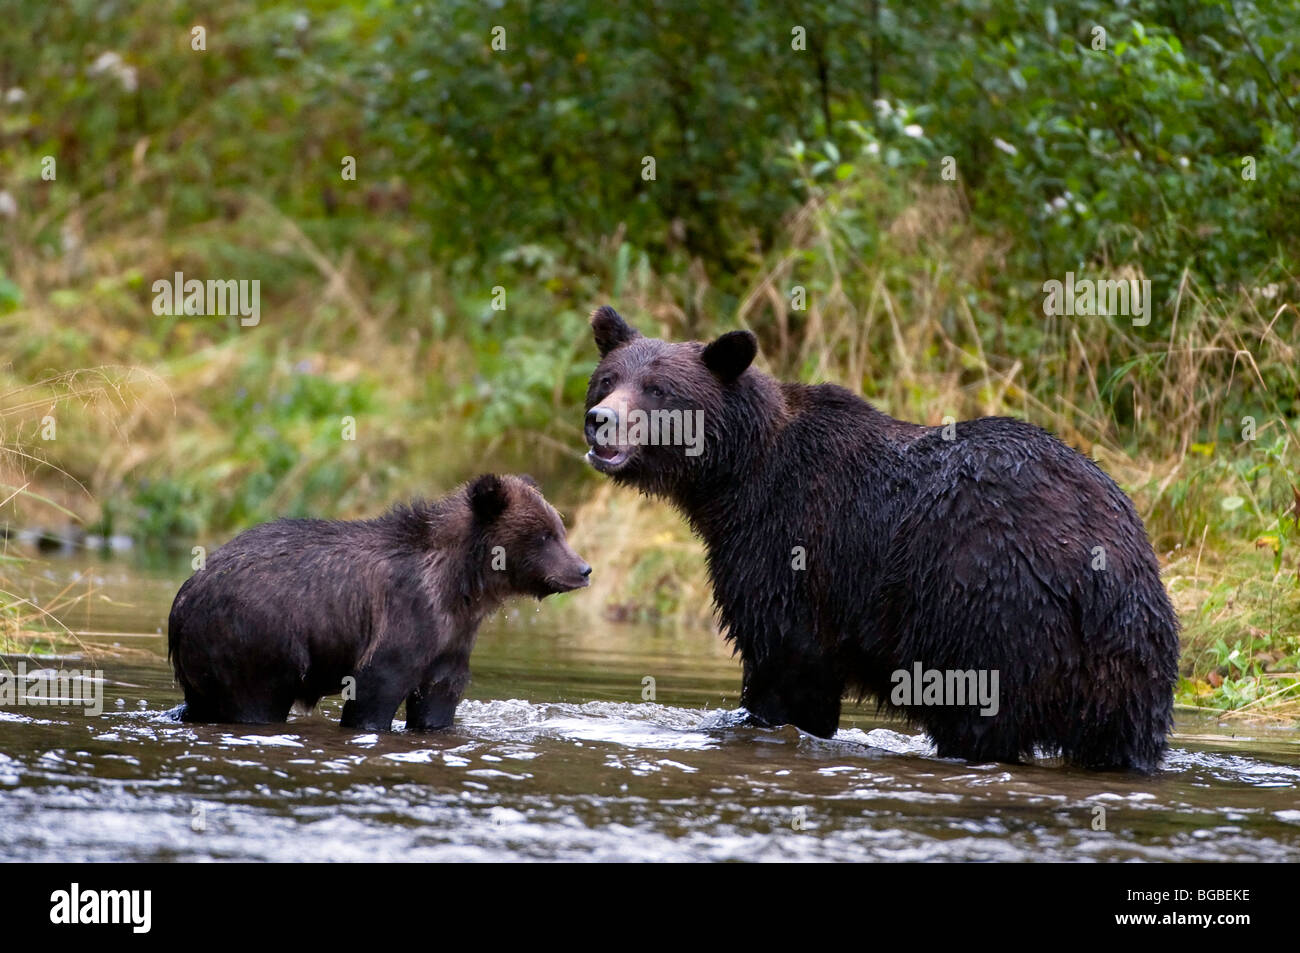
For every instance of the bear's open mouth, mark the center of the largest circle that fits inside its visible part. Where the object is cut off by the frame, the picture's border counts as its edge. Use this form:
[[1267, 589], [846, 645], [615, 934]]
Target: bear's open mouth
[[607, 457]]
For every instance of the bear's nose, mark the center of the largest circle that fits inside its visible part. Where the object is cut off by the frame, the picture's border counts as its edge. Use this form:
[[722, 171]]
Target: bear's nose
[[586, 571], [597, 418]]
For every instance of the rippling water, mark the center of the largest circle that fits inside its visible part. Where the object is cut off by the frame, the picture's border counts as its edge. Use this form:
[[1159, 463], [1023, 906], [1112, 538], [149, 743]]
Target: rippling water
[[555, 755]]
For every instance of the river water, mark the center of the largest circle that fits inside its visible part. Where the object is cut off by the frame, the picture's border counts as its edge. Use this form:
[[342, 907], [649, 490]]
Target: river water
[[557, 753]]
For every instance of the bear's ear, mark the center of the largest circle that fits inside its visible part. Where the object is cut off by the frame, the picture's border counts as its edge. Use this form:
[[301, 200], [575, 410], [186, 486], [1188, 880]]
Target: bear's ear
[[730, 354], [610, 330], [487, 498], [528, 479]]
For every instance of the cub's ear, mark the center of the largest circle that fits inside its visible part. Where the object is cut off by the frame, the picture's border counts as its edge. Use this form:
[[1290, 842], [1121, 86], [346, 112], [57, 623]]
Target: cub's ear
[[487, 497], [528, 479], [730, 354], [610, 330]]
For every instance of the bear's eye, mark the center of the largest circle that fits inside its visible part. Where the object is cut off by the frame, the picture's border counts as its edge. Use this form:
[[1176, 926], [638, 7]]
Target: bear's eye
[[606, 381], [655, 391]]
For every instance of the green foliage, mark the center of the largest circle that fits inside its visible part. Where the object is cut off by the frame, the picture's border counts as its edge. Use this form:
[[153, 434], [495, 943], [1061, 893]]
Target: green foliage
[[282, 453], [1130, 153], [1127, 153], [524, 380], [918, 169], [11, 296]]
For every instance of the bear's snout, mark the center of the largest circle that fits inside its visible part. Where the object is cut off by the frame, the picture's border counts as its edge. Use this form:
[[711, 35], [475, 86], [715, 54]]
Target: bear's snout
[[577, 576], [597, 418], [602, 432]]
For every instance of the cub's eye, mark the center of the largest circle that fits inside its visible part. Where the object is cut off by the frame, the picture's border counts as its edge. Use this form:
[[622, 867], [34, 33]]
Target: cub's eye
[[655, 391], [545, 537], [606, 381]]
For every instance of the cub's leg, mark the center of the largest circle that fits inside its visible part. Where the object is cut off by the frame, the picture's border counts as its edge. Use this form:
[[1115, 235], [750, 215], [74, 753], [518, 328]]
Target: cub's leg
[[433, 704], [379, 692]]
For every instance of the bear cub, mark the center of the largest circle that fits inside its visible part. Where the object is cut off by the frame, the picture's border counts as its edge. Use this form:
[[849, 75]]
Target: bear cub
[[288, 610]]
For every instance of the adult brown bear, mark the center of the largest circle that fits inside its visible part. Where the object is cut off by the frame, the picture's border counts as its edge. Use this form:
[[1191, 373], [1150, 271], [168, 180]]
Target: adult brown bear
[[851, 552]]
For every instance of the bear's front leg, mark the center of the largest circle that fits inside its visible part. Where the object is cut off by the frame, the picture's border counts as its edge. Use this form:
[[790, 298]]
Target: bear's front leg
[[792, 690], [378, 693], [433, 704], [431, 707]]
